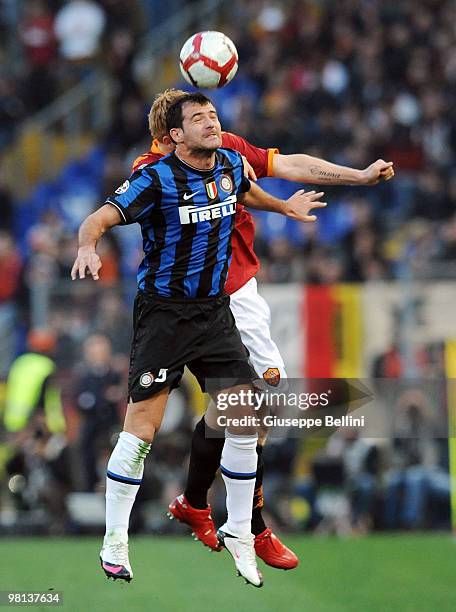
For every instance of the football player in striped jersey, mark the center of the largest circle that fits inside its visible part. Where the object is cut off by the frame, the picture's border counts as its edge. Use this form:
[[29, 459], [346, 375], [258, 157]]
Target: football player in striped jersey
[[252, 317]]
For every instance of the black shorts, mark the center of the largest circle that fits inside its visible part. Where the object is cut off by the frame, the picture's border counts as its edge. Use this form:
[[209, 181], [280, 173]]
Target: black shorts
[[170, 334]]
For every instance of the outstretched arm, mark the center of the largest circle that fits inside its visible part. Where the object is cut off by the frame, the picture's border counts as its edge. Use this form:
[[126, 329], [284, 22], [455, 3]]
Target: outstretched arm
[[307, 169], [90, 232], [297, 207]]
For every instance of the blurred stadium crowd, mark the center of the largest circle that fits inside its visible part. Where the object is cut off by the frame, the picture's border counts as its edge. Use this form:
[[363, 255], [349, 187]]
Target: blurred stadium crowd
[[349, 81]]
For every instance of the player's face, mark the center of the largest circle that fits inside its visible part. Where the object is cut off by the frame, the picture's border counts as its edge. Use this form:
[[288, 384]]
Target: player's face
[[201, 128]]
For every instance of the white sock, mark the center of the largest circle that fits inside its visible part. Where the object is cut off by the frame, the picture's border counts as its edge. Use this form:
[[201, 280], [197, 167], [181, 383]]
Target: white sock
[[124, 475], [238, 467]]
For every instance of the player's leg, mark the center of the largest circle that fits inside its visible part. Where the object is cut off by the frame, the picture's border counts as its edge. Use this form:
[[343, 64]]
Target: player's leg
[[238, 468], [252, 316], [223, 368], [156, 366], [124, 474], [239, 458], [191, 507]]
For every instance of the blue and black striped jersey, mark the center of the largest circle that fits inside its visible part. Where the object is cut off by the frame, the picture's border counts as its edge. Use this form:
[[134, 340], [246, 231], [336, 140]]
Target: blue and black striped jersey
[[186, 217]]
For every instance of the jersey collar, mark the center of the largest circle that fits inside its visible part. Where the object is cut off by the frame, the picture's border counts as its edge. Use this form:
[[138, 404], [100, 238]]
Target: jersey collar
[[192, 168]]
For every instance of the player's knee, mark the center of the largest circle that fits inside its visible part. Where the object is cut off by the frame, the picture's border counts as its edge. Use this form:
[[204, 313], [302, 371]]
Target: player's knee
[[141, 423], [146, 432]]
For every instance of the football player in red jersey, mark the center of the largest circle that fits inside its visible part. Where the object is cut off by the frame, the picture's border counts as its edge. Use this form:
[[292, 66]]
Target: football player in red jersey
[[252, 316]]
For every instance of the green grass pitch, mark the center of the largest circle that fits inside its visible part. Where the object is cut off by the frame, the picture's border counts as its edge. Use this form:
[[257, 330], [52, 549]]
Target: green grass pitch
[[415, 573]]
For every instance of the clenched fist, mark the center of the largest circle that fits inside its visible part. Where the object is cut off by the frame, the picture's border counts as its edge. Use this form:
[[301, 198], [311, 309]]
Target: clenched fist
[[380, 170]]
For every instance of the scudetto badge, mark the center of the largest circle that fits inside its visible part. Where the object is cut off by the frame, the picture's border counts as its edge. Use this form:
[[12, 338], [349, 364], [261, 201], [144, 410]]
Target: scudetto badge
[[272, 376], [146, 379], [211, 189]]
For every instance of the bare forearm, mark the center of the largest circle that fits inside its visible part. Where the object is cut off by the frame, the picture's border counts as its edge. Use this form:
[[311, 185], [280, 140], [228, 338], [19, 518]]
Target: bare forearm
[[307, 169], [297, 207], [95, 225], [90, 232], [258, 199]]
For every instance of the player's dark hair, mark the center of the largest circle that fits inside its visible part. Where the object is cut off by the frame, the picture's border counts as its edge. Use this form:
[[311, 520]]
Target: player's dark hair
[[174, 117]]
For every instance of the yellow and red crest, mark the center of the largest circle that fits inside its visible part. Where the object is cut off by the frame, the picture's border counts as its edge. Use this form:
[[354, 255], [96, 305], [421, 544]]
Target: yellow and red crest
[[272, 376]]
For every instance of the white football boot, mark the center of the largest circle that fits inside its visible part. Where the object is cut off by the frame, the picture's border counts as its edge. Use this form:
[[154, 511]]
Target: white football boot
[[114, 558], [243, 552]]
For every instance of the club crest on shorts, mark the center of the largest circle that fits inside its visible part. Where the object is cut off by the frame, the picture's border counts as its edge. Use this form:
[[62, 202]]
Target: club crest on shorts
[[146, 379], [272, 376], [123, 188], [226, 183], [211, 189]]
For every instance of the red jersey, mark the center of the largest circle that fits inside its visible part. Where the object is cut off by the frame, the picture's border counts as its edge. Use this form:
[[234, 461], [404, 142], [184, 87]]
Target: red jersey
[[244, 263]]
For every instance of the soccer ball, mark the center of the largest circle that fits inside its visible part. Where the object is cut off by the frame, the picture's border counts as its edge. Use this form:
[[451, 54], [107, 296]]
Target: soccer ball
[[208, 60]]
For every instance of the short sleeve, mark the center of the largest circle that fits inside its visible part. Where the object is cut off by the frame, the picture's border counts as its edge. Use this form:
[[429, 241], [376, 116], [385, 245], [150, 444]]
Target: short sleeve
[[136, 196], [260, 159], [245, 185]]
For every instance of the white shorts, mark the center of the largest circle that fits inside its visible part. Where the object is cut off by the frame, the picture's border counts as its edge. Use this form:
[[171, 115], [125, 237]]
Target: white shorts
[[253, 318]]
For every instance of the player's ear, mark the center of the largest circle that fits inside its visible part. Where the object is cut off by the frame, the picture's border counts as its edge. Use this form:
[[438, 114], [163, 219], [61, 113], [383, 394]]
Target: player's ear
[[166, 140], [176, 135]]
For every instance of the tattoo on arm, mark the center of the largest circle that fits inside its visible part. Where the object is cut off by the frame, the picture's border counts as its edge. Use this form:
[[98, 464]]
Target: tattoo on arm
[[325, 175]]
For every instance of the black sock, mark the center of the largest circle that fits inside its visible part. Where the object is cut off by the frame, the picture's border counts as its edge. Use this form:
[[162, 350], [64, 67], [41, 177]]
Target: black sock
[[204, 462], [258, 524]]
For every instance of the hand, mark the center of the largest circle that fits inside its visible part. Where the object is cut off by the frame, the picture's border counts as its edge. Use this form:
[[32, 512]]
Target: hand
[[87, 258], [301, 203], [380, 170], [249, 172]]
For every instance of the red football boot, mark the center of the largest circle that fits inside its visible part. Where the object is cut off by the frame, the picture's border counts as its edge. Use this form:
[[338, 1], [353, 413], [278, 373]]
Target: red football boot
[[271, 550], [200, 521]]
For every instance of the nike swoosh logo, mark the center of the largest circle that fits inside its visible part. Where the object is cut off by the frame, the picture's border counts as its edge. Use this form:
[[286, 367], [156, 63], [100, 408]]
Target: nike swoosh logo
[[187, 196], [115, 569]]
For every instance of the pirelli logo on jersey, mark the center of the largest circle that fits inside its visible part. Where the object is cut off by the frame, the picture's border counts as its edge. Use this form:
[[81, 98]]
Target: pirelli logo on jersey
[[194, 214]]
